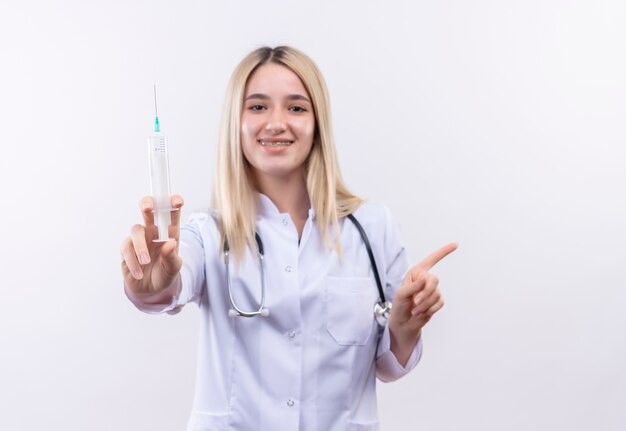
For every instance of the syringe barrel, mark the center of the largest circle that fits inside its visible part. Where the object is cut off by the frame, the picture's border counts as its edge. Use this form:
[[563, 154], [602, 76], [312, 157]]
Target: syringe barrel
[[160, 183]]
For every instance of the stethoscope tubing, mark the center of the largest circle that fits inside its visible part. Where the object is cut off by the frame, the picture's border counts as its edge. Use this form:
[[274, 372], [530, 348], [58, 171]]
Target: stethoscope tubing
[[236, 311], [381, 310]]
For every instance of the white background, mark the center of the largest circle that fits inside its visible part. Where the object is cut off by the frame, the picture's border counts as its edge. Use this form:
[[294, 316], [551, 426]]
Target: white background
[[497, 124]]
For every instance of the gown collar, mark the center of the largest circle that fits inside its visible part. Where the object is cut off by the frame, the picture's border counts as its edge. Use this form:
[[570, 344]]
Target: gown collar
[[267, 208]]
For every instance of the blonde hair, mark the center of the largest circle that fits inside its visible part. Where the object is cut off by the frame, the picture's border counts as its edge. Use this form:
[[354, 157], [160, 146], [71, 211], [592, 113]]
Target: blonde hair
[[233, 191]]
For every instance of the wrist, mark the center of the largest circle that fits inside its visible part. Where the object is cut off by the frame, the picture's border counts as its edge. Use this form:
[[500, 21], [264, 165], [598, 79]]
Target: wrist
[[402, 343], [404, 337], [162, 297]]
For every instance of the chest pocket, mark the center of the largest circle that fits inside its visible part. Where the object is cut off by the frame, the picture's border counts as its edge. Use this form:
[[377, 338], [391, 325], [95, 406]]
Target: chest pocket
[[350, 309]]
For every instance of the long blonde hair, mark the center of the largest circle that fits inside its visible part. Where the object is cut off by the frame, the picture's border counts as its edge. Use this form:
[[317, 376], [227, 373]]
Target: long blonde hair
[[233, 191]]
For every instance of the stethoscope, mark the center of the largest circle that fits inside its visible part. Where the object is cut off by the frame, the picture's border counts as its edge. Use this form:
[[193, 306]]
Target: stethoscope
[[382, 309]]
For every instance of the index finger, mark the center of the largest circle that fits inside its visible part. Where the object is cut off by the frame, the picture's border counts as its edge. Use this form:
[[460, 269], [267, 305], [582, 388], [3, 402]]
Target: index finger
[[146, 204], [435, 257], [147, 209]]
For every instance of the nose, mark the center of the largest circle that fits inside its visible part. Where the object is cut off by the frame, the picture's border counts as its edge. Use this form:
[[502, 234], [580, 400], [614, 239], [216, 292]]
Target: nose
[[276, 122]]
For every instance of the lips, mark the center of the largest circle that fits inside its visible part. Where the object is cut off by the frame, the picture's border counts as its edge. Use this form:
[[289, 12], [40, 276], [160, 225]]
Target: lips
[[275, 143]]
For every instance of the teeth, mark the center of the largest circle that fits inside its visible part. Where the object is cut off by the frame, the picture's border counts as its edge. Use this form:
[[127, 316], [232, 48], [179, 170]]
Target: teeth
[[275, 144]]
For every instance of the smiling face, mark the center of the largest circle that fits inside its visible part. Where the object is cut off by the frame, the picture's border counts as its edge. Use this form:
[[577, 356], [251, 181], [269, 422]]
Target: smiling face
[[277, 123]]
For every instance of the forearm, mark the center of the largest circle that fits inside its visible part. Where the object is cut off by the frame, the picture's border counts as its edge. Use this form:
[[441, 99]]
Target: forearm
[[154, 302], [402, 345], [388, 368]]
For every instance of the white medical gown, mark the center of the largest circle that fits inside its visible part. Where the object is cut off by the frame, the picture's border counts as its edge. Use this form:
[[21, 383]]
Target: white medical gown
[[311, 365]]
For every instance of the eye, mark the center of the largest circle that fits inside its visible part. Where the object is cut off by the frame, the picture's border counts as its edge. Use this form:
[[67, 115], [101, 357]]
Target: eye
[[296, 108], [256, 107]]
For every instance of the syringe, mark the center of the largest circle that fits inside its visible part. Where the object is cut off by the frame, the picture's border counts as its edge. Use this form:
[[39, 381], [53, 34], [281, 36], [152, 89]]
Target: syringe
[[160, 178]]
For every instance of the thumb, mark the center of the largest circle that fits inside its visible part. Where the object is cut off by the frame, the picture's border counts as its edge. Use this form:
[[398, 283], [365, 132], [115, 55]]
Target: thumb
[[411, 285]]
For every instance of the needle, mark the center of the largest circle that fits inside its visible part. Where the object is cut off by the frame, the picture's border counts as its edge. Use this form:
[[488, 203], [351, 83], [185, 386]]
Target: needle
[[157, 126]]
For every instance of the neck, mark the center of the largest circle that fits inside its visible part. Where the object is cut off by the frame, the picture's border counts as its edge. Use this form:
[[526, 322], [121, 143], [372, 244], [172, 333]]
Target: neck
[[289, 194]]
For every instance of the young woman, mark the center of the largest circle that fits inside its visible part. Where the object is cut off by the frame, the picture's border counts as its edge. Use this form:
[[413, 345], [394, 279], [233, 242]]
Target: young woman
[[288, 339]]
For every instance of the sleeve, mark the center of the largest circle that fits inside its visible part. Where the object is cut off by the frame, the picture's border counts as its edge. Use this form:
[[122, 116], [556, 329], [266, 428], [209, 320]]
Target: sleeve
[[192, 278], [396, 265]]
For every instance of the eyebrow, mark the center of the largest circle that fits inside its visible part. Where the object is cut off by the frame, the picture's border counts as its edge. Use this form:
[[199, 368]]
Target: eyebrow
[[266, 97]]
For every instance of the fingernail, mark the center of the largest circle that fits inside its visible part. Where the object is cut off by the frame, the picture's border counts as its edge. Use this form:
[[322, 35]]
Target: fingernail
[[138, 274], [145, 206], [144, 258], [414, 312]]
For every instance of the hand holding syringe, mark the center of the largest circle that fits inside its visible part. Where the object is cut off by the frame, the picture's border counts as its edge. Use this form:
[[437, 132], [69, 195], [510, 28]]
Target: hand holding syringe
[[150, 261]]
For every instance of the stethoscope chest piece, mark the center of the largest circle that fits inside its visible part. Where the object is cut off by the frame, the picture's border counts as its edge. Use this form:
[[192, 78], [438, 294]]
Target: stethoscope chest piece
[[382, 312]]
